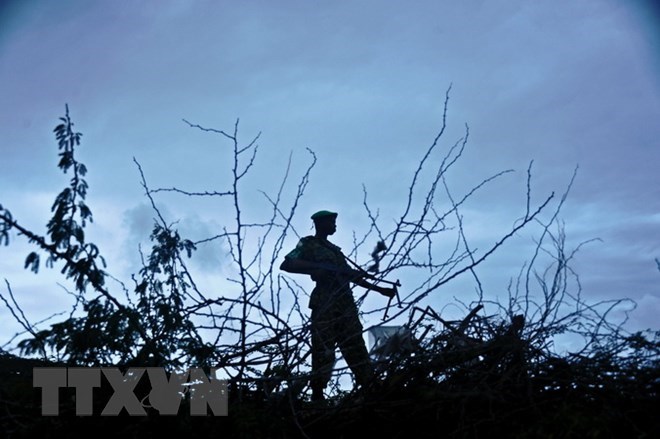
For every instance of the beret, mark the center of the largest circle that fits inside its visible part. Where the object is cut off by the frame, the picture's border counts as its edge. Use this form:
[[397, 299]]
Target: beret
[[323, 214]]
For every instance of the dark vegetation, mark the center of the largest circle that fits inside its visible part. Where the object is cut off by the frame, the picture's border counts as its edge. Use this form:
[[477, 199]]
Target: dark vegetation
[[486, 374]]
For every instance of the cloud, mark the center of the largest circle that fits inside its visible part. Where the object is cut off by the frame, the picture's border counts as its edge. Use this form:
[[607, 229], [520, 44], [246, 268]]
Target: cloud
[[211, 256], [362, 84], [645, 315], [139, 221]]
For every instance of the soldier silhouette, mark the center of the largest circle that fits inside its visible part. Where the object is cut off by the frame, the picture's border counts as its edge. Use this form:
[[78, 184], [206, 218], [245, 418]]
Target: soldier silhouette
[[334, 315]]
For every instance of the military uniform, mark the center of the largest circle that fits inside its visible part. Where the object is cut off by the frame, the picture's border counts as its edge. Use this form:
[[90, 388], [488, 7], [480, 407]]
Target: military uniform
[[335, 320]]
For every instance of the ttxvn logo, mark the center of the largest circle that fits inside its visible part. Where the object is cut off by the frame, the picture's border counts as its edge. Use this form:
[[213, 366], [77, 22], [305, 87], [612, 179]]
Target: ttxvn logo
[[163, 394]]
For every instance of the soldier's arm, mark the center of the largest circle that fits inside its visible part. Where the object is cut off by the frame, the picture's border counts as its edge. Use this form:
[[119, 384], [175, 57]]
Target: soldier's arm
[[300, 266], [297, 260], [317, 269], [389, 292]]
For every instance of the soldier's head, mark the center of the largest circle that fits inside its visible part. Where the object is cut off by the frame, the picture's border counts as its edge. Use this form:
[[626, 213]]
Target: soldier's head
[[325, 222]]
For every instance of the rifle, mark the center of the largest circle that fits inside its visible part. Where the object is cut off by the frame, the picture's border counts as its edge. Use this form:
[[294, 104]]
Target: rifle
[[352, 273], [376, 255]]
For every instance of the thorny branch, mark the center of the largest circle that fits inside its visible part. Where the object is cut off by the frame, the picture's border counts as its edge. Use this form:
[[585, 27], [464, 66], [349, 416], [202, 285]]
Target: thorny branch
[[253, 327]]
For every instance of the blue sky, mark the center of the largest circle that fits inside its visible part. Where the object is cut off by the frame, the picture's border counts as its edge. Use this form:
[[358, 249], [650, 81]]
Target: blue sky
[[361, 83]]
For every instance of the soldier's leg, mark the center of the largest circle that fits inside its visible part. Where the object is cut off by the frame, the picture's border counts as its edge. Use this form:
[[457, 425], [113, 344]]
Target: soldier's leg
[[323, 353], [352, 346]]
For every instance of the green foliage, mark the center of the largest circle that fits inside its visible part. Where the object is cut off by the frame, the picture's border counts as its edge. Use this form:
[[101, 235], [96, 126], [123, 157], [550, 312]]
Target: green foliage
[[156, 330], [109, 335], [6, 222], [160, 303], [100, 337]]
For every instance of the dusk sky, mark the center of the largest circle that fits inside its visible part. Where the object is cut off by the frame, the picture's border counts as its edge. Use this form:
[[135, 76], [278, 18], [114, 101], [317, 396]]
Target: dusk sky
[[361, 83]]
